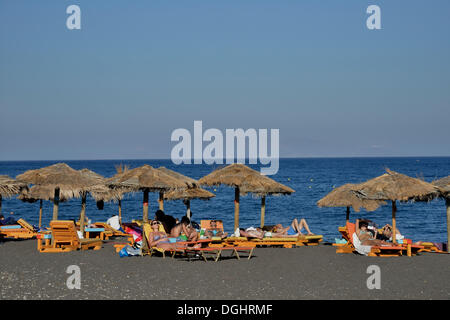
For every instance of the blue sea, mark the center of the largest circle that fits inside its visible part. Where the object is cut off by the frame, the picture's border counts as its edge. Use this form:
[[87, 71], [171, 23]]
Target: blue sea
[[311, 178]]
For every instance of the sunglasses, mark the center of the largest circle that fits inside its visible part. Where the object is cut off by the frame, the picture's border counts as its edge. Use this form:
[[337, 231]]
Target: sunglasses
[[154, 223]]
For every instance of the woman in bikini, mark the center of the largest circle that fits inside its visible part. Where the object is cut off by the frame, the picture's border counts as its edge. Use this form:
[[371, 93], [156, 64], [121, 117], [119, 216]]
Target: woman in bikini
[[366, 237]]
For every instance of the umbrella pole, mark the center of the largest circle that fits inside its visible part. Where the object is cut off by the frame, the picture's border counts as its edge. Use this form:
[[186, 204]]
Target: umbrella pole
[[40, 213], [145, 206], [161, 201], [263, 210], [236, 208], [347, 216], [56, 204], [447, 202], [83, 212], [188, 208], [394, 230], [120, 212]]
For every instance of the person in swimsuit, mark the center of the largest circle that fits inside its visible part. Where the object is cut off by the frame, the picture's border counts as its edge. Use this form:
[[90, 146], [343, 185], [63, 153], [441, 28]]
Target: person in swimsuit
[[294, 230], [159, 239], [214, 231], [366, 237], [185, 228]]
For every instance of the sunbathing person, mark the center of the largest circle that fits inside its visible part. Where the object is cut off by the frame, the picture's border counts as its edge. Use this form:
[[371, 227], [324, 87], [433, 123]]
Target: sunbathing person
[[214, 231], [293, 231], [252, 232], [159, 239], [167, 221], [366, 237], [185, 228], [7, 221]]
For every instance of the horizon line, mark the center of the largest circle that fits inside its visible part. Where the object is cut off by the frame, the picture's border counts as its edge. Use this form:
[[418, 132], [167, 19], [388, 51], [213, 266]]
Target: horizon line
[[246, 160]]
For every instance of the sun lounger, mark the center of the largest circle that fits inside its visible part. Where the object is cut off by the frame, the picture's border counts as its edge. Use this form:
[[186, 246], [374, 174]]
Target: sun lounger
[[64, 238], [110, 232], [22, 230], [431, 247], [373, 251], [285, 242]]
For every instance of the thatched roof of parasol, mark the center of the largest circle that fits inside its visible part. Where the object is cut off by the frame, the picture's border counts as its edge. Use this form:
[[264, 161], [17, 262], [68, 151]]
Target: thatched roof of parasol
[[189, 194], [344, 196], [101, 191], [145, 177], [247, 179], [38, 192], [72, 183], [191, 183], [443, 185], [396, 186], [10, 187]]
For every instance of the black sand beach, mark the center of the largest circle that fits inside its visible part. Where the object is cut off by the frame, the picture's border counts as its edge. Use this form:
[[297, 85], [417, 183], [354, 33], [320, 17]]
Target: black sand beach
[[298, 273]]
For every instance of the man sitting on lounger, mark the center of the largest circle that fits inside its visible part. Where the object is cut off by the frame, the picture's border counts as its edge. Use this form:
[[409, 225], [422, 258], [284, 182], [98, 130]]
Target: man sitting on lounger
[[214, 231], [293, 231], [185, 228]]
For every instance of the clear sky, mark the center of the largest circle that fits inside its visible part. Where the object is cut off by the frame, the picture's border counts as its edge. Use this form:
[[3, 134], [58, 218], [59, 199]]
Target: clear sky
[[137, 70]]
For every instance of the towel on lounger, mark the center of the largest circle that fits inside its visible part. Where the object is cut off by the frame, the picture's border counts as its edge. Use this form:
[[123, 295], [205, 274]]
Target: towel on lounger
[[361, 249]]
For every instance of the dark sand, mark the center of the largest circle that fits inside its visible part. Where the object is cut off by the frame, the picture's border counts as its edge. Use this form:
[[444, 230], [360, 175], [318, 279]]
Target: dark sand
[[298, 273]]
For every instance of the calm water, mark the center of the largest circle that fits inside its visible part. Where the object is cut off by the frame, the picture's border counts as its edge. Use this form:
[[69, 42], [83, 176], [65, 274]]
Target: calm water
[[311, 178]]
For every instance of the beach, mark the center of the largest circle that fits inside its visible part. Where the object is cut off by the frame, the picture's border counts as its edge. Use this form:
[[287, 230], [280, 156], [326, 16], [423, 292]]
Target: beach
[[272, 274]]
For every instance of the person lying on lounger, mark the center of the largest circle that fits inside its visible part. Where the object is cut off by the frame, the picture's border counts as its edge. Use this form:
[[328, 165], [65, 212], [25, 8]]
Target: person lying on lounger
[[366, 237], [252, 232], [214, 231], [293, 231], [185, 228], [159, 239]]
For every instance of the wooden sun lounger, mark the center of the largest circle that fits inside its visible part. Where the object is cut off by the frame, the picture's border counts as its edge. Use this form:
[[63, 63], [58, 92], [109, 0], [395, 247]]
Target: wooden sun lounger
[[23, 230], [111, 232], [285, 242], [64, 238], [384, 250], [376, 251]]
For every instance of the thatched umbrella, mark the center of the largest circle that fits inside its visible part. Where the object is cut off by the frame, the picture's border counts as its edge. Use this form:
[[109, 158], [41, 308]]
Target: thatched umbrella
[[244, 180], [146, 179], [191, 183], [444, 187], [10, 187], [393, 186], [344, 196], [60, 181], [187, 195]]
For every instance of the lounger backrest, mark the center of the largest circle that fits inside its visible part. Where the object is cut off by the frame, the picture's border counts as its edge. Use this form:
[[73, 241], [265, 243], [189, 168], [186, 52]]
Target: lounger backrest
[[206, 224], [25, 224], [64, 233], [351, 229]]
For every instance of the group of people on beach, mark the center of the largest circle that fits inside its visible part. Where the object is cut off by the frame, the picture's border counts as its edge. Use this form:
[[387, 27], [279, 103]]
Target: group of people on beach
[[166, 231], [368, 233]]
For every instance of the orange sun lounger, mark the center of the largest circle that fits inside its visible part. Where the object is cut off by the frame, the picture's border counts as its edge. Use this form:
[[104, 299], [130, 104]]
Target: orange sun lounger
[[375, 251], [111, 232], [23, 230], [64, 238], [285, 242]]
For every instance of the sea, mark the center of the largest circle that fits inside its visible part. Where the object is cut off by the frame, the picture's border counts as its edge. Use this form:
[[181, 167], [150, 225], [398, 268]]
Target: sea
[[311, 178]]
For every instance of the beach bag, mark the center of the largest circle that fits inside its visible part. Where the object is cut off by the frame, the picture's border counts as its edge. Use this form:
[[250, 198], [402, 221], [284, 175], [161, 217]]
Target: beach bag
[[129, 251]]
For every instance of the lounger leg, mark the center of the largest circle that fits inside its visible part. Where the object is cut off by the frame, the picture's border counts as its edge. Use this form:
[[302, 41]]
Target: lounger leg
[[237, 254], [218, 255]]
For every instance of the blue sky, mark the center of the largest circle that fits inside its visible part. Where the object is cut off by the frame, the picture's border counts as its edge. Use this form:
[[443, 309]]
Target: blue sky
[[137, 70]]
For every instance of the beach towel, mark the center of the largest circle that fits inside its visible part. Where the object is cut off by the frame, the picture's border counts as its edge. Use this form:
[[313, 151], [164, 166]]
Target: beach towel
[[361, 249]]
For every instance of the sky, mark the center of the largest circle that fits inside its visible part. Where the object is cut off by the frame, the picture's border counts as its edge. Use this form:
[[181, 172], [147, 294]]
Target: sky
[[137, 70]]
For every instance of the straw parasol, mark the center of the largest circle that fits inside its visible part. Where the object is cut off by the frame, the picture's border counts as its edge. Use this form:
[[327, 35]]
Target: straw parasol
[[444, 187], [191, 183], [61, 181], [146, 179], [245, 180], [344, 196], [393, 186], [10, 187], [187, 195]]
